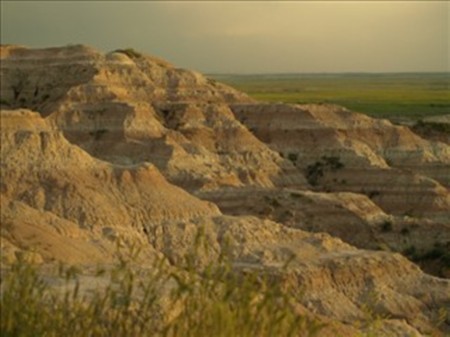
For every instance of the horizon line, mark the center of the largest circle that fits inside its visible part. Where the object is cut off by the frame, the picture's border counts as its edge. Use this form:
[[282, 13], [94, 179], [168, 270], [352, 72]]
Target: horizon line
[[326, 73]]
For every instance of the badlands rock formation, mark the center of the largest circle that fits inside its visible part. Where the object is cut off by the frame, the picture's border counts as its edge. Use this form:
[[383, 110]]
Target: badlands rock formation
[[131, 109], [100, 149]]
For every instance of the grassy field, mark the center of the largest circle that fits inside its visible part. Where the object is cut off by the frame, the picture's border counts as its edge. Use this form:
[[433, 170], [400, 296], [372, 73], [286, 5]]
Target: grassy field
[[400, 96]]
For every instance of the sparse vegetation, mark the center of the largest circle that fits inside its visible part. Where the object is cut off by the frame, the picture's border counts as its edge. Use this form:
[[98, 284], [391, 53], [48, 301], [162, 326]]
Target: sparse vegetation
[[410, 252], [334, 163], [293, 157], [435, 261], [405, 231], [386, 226], [212, 81], [373, 194], [440, 252], [314, 172], [4, 102], [427, 128], [217, 302], [272, 201], [98, 134], [21, 79], [317, 170]]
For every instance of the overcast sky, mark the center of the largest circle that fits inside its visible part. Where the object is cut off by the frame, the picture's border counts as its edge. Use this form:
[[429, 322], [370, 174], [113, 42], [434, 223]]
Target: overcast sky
[[247, 36]]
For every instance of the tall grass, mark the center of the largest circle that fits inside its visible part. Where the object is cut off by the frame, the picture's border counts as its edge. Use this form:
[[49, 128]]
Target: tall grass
[[161, 301]]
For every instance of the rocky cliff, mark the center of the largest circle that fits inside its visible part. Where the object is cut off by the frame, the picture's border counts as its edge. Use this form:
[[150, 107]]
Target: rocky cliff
[[122, 148]]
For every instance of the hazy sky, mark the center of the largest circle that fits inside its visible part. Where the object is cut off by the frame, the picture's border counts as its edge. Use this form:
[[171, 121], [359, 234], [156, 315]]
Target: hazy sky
[[247, 36]]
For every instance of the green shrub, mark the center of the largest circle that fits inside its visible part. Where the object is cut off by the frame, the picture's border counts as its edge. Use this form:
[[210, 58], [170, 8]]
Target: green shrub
[[405, 231], [373, 194], [386, 226], [334, 163], [314, 172], [275, 203], [317, 170], [293, 157]]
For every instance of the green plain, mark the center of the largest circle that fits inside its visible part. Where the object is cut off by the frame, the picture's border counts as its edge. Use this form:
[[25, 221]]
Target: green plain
[[396, 96]]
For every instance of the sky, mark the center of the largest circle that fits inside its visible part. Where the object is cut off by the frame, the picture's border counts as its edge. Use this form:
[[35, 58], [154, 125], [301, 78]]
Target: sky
[[246, 36]]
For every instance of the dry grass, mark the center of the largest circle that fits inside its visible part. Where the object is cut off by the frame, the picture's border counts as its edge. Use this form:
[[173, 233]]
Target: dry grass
[[216, 302]]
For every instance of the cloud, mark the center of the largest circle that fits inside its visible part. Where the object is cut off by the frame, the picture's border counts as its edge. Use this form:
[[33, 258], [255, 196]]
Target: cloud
[[248, 36]]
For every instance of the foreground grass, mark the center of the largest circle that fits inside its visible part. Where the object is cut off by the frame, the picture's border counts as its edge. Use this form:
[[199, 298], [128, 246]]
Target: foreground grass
[[162, 302], [393, 96], [158, 302]]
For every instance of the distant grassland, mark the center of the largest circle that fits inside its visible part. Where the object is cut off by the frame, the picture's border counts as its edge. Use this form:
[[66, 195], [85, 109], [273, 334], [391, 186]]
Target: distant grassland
[[403, 96]]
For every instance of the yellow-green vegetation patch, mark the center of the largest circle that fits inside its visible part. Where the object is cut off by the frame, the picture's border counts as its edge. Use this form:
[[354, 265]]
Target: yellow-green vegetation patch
[[409, 95]]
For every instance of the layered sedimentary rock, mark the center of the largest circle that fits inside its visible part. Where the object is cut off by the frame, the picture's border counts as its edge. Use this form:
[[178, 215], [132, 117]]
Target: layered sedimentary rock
[[127, 108], [339, 150], [42, 170], [98, 162], [353, 217]]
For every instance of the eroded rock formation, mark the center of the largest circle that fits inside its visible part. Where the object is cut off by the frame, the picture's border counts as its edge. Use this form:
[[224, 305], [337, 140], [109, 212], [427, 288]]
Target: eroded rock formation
[[99, 149]]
